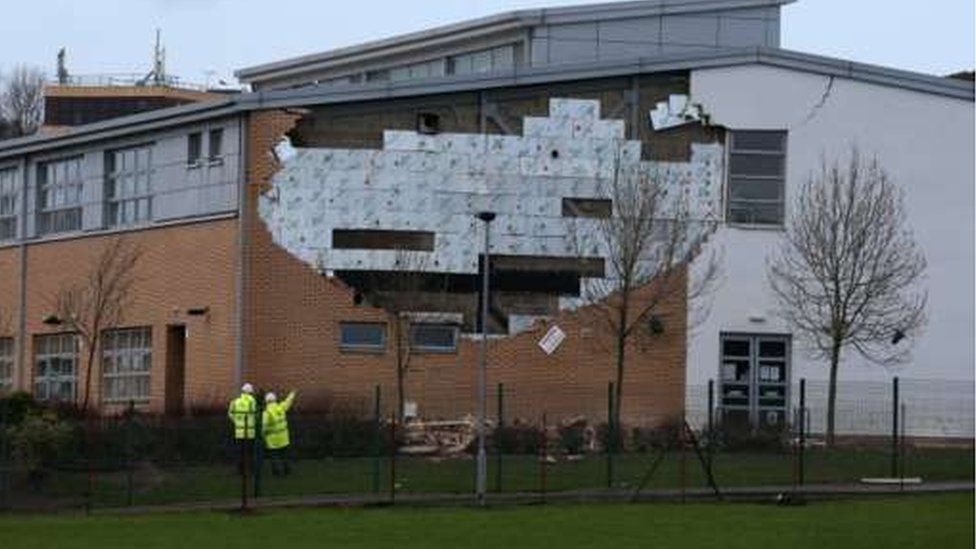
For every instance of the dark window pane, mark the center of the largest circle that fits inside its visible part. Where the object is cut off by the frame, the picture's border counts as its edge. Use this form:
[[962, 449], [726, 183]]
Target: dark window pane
[[748, 212], [362, 335], [759, 140], [433, 336], [756, 164], [772, 349], [194, 147], [756, 189], [735, 347], [216, 143]]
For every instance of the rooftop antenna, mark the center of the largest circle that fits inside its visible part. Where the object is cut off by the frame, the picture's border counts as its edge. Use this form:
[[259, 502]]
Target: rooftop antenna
[[62, 69], [158, 73]]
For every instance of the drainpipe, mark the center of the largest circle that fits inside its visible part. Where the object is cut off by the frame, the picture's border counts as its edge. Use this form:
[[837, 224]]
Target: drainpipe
[[242, 242], [20, 376]]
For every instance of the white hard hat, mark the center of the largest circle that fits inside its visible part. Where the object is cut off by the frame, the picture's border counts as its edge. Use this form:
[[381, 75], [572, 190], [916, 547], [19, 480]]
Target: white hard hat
[[270, 397], [247, 388]]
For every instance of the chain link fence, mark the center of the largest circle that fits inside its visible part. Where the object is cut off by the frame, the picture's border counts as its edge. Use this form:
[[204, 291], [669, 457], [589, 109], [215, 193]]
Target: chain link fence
[[53, 459]]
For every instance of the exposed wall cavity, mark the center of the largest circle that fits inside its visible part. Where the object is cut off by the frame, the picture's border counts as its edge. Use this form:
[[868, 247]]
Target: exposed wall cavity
[[546, 186]]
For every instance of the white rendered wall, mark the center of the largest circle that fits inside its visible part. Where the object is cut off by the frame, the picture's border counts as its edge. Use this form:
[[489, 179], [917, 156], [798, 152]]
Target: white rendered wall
[[926, 144]]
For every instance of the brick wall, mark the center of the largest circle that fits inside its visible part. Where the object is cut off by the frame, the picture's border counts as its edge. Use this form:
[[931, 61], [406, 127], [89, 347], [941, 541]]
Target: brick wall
[[181, 267], [292, 340]]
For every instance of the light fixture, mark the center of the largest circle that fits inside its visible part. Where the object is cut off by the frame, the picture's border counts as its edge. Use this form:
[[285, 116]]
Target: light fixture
[[198, 311], [52, 320]]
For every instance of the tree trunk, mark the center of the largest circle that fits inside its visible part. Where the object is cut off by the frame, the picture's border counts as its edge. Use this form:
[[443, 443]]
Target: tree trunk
[[621, 356], [832, 392], [88, 375]]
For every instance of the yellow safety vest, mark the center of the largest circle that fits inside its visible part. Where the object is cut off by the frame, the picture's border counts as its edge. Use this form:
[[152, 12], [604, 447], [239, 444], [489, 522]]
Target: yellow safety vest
[[242, 414], [274, 423]]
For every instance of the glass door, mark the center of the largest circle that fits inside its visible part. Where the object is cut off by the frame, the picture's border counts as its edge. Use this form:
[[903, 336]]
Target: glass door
[[754, 380]]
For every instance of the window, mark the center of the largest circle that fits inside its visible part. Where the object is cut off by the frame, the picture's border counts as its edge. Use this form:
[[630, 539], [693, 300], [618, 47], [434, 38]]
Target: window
[[126, 364], [754, 379], [366, 336], [374, 239], [59, 190], [427, 69], [433, 337], [378, 76], [6, 364], [757, 171], [194, 149], [8, 203], [128, 185], [55, 367], [215, 145], [483, 61], [601, 208]]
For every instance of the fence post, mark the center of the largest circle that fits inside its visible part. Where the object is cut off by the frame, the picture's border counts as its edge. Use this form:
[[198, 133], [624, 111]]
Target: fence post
[[711, 408], [894, 428], [803, 431], [393, 454], [244, 459], [90, 483], [901, 471], [499, 429], [611, 436], [4, 460], [544, 458], [258, 449], [684, 456], [376, 440], [130, 413]]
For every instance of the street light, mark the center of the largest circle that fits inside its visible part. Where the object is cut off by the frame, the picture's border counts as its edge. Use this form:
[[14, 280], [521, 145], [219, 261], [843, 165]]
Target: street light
[[487, 217]]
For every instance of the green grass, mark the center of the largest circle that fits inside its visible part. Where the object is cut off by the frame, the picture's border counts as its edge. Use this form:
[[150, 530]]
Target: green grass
[[943, 521], [520, 473]]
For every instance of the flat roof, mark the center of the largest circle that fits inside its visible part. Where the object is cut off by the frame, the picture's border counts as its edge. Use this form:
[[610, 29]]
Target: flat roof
[[493, 24], [319, 95]]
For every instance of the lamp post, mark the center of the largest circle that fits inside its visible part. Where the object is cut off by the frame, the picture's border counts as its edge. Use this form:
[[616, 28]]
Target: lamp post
[[482, 476]]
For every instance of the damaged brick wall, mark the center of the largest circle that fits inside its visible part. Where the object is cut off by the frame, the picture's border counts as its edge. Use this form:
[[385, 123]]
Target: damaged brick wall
[[293, 312]]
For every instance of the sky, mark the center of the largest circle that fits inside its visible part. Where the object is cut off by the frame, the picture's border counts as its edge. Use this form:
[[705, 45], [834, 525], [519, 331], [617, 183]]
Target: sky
[[206, 40]]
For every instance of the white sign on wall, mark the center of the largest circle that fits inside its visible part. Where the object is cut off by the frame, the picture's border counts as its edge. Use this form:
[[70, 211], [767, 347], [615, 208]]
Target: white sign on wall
[[551, 341]]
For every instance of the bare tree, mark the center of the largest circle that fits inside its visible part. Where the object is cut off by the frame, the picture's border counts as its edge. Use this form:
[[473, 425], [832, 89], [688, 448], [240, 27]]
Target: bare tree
[[22, 100], [407, 293], [848, 271], [98, 302], [648, 239]]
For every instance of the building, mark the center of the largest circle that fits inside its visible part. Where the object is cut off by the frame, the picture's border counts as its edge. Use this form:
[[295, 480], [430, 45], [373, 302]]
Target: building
[[263, 256]]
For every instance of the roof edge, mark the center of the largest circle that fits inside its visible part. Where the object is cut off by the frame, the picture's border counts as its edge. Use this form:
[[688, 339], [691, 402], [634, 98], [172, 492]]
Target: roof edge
[[874, 74], [505, 21]]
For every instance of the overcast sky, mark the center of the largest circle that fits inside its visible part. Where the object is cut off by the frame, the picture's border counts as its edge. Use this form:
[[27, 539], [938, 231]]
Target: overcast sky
[[208, 39]]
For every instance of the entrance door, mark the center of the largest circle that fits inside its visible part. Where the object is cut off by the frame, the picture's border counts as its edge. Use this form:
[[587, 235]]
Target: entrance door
[[175, 369], [754, 376]]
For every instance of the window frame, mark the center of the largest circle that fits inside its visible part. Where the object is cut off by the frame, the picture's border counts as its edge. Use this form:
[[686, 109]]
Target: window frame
[[41, 354], [433, 349], [7, 359], [116, 202], [63, 216], [754, 205], [361, 347], [215, 157], [9, 196], [127, 352], [194, 149]]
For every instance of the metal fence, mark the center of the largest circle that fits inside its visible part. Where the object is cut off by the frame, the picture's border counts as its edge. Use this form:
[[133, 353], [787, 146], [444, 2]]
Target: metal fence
[[51, 460]]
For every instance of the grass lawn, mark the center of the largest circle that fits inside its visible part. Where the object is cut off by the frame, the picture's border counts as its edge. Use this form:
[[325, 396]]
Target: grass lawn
[[943, 521], [153, 485]]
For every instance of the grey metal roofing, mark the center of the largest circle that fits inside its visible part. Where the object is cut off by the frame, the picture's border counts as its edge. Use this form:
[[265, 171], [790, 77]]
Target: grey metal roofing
[[496, 23], [317, 95]]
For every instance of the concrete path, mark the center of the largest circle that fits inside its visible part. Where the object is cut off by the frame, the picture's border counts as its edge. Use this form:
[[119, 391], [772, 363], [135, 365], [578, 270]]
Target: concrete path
[[749, 493]]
